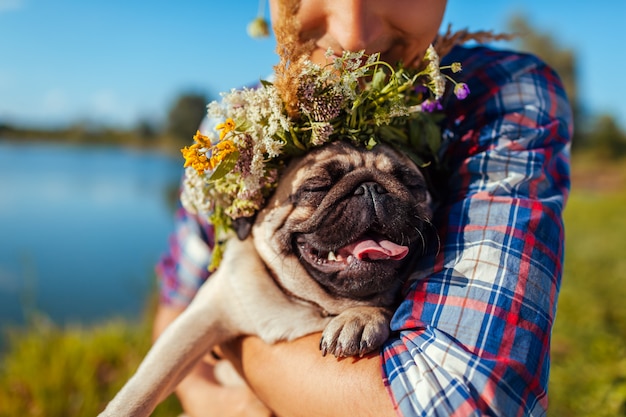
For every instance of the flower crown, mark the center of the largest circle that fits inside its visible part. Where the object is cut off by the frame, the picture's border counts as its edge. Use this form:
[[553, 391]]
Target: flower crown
[[358, 98]]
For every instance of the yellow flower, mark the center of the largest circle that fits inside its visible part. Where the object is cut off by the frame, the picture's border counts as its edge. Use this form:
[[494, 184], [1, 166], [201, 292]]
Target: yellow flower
[[202, 140], [227, 126], [220, 151], [195, 159]]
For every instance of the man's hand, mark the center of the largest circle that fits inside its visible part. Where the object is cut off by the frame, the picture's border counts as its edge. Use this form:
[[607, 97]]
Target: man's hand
[[202, 395]]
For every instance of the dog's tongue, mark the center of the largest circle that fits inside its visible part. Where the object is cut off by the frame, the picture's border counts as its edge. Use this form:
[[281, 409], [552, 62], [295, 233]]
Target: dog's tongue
[[377, 250]]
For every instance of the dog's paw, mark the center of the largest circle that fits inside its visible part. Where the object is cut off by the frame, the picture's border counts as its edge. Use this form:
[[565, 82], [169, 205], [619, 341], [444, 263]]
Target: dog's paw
[[356, 332]]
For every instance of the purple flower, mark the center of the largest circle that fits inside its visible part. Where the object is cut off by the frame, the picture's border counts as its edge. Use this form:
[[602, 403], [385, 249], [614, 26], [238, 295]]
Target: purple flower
[[430, 106], [245, 157], [461, 91], [420, 89]]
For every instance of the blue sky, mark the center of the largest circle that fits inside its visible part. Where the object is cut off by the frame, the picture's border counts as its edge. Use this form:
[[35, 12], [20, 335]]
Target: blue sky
[[118, 61]]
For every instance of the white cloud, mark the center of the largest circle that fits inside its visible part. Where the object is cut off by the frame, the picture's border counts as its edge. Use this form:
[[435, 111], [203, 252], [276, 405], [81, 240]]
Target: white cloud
[[60, 104], [11, 5], [104, 103], [55, 102], [109, 106]]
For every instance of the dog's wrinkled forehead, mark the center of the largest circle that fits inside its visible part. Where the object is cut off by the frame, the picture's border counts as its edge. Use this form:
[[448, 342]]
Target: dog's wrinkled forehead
[[341, 158]]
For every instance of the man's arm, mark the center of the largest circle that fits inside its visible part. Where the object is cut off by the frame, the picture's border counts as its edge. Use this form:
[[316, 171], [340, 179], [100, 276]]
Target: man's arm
[[294, 379], [474, 326], [200, 393]]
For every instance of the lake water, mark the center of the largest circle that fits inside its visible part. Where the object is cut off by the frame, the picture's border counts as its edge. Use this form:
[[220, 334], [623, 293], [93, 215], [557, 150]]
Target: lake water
[[81, 229]]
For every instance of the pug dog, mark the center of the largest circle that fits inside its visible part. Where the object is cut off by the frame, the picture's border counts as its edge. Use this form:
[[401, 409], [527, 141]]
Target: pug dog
[[328, 252]]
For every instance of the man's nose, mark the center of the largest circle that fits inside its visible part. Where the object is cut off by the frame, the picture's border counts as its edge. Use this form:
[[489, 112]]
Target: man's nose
[[356, 25]]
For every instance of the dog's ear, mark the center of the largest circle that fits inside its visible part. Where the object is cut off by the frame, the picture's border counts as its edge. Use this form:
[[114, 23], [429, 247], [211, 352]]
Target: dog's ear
[[243, 226]]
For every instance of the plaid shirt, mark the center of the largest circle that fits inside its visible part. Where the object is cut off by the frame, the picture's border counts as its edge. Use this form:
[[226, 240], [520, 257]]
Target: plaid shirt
[[472, 334]]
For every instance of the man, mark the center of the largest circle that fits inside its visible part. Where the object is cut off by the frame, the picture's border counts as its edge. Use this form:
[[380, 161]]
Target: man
[[472, 334]]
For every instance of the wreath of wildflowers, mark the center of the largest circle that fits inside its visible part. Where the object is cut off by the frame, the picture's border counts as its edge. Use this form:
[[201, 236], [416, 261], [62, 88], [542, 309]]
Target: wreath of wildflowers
[[358, 98]]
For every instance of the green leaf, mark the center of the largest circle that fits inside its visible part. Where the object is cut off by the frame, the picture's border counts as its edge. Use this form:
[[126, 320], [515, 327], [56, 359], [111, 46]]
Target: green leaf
[[216, 258], [371, 143], [296, 141], [433, 137], [393, 134], [243, 125], [417, 133], [225, 166], [378, 79]]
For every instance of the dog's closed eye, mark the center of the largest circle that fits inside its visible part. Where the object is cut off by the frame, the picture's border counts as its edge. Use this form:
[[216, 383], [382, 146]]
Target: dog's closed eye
[[410, 178], [312, 190]]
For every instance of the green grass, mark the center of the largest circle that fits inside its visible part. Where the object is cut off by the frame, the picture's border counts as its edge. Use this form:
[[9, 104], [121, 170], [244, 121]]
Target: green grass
[[588, 376], [51, 371]]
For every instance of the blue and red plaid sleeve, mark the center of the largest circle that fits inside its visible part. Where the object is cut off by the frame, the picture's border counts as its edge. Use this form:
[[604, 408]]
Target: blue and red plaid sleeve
[[182, 270], [472, 334]]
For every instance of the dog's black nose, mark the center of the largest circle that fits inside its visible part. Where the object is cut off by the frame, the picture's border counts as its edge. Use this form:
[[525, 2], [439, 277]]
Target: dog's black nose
[[370, 188]]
